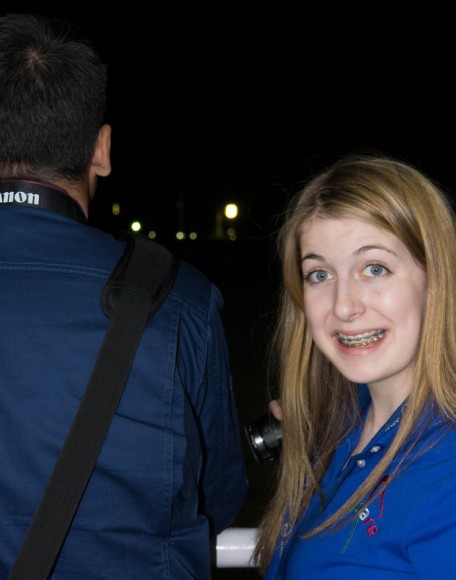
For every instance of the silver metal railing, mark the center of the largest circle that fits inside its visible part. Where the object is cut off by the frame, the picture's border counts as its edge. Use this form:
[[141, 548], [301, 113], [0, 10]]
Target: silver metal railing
[[234, 548]]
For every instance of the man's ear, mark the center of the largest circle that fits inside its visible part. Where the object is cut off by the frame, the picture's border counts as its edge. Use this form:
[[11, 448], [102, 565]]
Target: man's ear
[[101, 160]]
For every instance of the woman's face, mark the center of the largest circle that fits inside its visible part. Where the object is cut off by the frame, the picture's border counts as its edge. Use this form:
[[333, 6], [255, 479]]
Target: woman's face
[[364, 298]]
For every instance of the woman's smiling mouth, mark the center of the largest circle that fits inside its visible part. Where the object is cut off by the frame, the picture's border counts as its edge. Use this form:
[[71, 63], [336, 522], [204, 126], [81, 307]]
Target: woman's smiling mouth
[[363, 340]]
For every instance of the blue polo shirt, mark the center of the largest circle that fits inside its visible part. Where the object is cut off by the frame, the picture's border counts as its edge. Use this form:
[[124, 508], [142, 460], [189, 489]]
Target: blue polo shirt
[[409, 531]]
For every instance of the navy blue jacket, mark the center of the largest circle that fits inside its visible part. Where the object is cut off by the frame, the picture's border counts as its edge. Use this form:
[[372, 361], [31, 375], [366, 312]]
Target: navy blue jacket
[[138, 517], [409, 531]]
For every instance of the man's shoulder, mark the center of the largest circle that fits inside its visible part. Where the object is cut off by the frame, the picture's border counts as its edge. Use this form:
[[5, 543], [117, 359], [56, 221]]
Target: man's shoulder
[[193, 288]]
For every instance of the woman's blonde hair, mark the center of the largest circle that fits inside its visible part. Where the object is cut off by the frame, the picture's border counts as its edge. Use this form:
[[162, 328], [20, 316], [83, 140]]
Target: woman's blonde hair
[[319, 405]]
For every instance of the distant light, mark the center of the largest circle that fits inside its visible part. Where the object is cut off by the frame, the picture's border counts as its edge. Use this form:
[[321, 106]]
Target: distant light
[[136, 226], [180, 235], [193, 235], [152, 235], [115, 208], [231, 211], [231, 233]]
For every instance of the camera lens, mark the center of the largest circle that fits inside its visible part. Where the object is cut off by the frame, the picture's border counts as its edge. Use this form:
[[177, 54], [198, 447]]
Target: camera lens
[[264, 436]]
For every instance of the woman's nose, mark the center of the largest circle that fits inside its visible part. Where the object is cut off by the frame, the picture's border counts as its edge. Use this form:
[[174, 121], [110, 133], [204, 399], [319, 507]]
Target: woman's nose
[[348, 300]]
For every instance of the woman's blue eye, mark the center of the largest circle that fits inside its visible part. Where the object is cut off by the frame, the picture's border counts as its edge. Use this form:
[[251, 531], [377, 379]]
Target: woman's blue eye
[[375, 270], [316, 276]]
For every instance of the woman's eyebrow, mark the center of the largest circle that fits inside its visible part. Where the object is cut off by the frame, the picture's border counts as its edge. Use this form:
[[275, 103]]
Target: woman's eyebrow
[[312, 256], [364, 249]]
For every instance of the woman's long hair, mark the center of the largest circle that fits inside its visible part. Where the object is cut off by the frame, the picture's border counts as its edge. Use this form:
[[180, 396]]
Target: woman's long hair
[[319, 405]]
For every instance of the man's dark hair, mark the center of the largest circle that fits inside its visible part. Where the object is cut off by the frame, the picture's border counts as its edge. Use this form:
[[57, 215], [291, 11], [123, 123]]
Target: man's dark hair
[[52, 98]]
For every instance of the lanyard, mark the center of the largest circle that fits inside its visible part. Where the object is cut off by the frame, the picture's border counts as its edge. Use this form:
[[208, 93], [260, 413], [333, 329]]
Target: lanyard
[[40, 195]]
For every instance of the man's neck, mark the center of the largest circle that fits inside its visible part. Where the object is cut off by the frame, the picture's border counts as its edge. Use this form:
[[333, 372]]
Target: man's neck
[[77, 191]]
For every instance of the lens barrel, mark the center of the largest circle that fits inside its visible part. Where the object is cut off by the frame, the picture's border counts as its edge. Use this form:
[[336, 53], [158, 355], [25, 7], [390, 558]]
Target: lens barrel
[[264, 437]]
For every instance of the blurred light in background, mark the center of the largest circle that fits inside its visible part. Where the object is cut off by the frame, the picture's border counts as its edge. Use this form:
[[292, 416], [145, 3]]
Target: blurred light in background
[[231, 234], [231, 211]]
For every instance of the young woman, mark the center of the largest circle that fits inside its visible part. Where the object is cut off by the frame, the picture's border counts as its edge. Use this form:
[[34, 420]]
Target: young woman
[[367, 343]]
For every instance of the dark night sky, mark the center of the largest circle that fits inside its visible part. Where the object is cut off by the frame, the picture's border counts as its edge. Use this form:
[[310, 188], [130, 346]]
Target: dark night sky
[[246, 98]]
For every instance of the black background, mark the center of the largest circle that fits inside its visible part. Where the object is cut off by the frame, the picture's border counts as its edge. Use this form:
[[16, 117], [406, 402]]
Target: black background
[[217, 101]]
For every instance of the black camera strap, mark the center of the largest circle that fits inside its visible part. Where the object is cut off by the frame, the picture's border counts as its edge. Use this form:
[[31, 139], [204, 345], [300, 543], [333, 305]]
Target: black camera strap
[[137, 287], [37, 194]]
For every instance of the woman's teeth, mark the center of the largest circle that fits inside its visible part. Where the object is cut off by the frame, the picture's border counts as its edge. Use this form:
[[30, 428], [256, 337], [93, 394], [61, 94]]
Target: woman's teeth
[[361, 340]]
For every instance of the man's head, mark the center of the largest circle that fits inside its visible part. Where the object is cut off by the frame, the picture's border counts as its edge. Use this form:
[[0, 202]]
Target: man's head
[[52, 100]]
